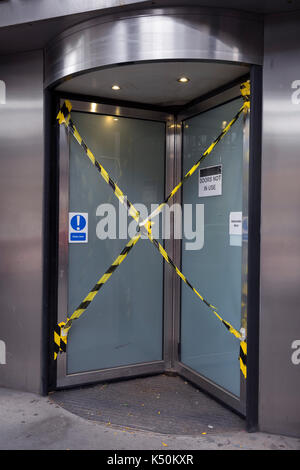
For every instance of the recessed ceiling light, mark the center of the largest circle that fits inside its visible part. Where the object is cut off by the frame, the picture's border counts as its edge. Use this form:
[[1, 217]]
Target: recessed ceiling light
[[183, 79], [93, 107], [116, 87]]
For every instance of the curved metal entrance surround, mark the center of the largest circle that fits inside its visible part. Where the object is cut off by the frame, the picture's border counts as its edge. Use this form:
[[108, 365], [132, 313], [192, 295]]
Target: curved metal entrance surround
[[152, 35]]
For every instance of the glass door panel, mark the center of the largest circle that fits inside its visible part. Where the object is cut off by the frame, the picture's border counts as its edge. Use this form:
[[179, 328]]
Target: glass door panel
[[213, 265], [124, 323]]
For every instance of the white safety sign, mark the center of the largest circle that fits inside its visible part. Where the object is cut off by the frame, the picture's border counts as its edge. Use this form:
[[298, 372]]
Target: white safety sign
[[78, 227], [235, 223], [210, 181]]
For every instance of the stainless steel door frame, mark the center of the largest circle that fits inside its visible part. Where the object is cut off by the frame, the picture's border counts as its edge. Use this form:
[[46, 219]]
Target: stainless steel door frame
[[63, 379], [238, 404], [172, 284]]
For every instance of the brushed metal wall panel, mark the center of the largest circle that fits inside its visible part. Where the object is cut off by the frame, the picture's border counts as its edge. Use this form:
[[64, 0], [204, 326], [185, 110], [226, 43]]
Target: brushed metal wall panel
[[21, 206], [279, 404], [18, 12]]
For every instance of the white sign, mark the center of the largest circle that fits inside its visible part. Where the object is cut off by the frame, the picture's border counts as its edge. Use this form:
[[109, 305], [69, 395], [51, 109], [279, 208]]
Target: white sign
[[78, 227], [235, 223], [210, 181]]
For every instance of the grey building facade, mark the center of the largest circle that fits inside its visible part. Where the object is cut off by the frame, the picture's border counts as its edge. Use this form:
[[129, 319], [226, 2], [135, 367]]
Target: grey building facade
[[58, 50]]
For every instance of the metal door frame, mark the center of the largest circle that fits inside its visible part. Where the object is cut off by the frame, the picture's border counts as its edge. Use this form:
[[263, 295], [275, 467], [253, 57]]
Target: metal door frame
[[171, 281], [236, 403], [62, 378]]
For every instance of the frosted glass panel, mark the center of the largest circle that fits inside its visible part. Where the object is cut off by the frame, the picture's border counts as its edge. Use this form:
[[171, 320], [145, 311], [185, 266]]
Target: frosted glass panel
[[214, 268], [123, 325]]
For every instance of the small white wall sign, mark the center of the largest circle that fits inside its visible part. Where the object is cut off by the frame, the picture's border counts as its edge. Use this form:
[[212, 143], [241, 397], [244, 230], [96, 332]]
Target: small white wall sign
[[235, 223]]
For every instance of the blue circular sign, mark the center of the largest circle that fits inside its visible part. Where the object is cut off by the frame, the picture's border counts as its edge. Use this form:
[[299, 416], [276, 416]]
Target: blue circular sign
[[78, 222]]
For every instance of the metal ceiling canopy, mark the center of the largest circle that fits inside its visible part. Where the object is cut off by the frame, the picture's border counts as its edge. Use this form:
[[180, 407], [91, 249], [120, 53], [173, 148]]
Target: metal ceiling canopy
[[173, 34]]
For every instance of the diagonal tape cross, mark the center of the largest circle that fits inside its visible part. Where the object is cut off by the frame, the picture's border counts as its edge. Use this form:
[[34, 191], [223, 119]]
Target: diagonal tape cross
[[62, 329]]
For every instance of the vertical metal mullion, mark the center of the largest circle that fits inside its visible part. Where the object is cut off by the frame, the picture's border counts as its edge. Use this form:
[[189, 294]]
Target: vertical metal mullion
[[51, 174], [63, 244], [244, 270], [177, 243], [168, 275], [253, 300]]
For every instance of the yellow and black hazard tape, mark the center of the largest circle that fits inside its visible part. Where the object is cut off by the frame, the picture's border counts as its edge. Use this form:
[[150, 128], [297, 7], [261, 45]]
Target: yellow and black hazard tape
[[64, 117], [64, 112], [229, 327], [245, 91], [243, 358], [61, 330], [60, 339]]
